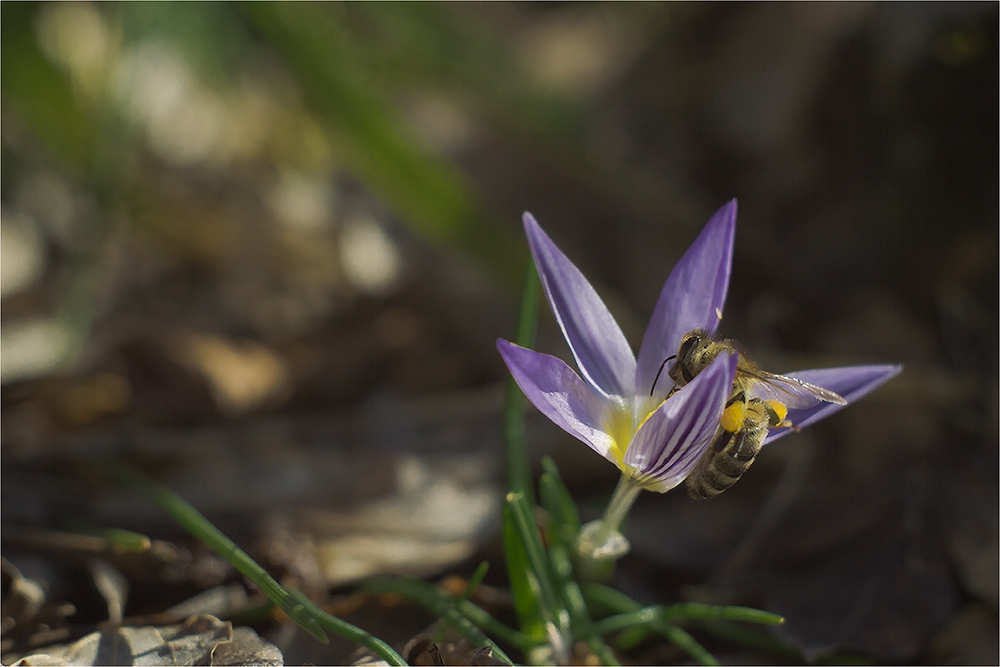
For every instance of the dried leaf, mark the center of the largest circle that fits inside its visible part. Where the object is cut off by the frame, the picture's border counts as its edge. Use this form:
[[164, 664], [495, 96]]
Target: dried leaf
[[112, 586], [435, 517], [199, 640], [24, 598], [246, 648]]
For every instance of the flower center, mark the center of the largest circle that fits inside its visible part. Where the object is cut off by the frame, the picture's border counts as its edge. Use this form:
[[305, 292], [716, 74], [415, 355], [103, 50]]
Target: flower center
[[621, 429], [621, 424]]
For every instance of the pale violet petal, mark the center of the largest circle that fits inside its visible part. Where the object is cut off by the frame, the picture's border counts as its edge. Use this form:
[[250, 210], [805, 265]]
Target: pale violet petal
[[673, 438], [692, 297], [559, 394], [602, 353], [851, 382]]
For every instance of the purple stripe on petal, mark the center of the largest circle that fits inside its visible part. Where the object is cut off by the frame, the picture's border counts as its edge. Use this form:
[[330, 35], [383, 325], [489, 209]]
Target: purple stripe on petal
[[673, 438], [851, 382], [602, 353], [559, 393], [692, 297]]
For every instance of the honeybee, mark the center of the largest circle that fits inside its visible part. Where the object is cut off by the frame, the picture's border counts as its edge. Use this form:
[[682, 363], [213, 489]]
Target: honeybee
[[758, 401]]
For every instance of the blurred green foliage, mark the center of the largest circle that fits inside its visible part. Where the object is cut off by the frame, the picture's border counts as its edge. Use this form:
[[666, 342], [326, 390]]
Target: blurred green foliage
[[349, 62], [41, 93]]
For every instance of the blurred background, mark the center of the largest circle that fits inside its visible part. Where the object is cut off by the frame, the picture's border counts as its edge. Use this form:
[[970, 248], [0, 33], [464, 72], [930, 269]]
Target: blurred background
[[263, 251]]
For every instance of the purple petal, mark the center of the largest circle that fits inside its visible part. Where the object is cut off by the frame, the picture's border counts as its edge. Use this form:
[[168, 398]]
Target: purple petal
[[559, 393], [598, 344], [673, 438], [851, 382], [692, 297]]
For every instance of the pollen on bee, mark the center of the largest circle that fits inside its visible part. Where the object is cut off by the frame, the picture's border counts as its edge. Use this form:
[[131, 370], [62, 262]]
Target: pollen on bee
[[733, 416], [779, 408], [777, 411]]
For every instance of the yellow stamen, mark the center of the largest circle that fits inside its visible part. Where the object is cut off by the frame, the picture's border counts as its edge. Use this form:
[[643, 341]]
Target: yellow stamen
[[622, 429], [619, 427]]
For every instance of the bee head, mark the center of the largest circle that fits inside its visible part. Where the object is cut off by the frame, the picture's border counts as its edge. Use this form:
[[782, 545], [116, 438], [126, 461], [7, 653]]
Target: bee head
[[692, 357]]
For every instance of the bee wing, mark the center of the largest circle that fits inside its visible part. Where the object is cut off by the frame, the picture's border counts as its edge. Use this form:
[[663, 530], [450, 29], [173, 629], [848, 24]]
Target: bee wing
[[794, 393]]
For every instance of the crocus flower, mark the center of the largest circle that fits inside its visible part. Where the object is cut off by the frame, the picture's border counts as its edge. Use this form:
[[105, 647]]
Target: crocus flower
[[612, 405]]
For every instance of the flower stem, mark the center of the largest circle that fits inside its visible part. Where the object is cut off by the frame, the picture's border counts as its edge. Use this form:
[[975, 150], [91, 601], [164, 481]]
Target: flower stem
[[621, 502], [600, 543]]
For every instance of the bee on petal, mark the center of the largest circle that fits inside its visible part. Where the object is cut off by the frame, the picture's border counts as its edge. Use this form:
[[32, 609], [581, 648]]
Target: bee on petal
[[758, 401]]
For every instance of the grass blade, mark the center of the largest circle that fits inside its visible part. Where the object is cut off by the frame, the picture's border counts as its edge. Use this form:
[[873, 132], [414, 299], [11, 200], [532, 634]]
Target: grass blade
[[524, 522], [564, 518], [456, 611], [345, 629], [477, 578], [623, 621], [524, 585], [518, 470], [680, 638], [540, 576], [698, 611], [195, 523], [295, 604], [751, 638], [561, 529], [470, 587], [632, 616]]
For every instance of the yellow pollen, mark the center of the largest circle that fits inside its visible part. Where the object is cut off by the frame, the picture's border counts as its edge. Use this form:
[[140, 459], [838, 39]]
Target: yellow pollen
[[778, 412], [733, 416]]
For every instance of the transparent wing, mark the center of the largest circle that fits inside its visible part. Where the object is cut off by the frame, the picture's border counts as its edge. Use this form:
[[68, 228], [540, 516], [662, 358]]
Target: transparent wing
[[794, 393]]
